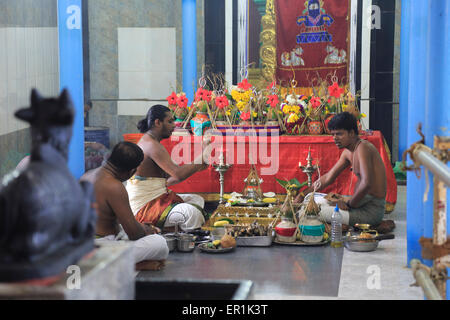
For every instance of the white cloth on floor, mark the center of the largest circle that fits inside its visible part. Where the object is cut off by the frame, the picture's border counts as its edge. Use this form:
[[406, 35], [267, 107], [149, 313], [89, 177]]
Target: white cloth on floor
[[185, 215]]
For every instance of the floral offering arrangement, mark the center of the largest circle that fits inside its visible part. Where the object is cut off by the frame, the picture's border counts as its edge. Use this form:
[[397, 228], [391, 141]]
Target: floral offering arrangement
[[178, 104], [246, 106]]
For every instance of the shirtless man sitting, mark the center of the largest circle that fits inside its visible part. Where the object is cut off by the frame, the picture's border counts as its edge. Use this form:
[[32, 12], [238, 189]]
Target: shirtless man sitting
[[367, 204], [115, 220], [150, 199]]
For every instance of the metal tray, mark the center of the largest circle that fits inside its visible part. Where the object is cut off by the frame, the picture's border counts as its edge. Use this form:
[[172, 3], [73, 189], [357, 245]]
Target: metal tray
[[254, 241], [301, 243]]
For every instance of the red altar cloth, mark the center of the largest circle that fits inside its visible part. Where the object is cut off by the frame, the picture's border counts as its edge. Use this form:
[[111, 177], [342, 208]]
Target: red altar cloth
[[280, 160]]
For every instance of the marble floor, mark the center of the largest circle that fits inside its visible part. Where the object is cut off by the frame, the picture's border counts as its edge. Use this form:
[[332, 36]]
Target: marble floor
[[379, 275], [305, 273]]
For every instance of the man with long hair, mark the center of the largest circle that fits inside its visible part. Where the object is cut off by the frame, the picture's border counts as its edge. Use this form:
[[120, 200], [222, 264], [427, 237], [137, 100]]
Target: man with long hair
[[150, 199]]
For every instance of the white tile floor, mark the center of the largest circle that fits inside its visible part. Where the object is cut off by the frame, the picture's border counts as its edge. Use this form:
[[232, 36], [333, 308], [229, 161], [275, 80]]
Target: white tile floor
[[379, 275]]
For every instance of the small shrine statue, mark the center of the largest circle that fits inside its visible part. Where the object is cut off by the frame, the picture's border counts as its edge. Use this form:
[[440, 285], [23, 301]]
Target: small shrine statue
[[47, 221], [252, 189]]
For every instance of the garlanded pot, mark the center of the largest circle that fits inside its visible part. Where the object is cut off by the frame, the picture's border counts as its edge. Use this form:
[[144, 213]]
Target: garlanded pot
[[315, 127], [296, 128], [311, 230], [286, 230], [200, 123]]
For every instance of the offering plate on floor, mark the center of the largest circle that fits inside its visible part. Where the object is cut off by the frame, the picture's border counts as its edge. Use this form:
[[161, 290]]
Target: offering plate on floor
[[205, 248]]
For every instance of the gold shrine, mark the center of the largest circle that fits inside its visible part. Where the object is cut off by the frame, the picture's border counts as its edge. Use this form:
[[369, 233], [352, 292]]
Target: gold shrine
[[252, 189]]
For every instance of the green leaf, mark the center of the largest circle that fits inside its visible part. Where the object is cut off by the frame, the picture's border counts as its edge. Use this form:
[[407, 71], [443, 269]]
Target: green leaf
[[297, 183], [282, 182]]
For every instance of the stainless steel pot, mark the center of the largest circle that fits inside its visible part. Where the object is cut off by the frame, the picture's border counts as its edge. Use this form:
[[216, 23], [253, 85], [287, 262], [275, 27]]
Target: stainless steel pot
[[185, 242], [171, 242], [354, 243]]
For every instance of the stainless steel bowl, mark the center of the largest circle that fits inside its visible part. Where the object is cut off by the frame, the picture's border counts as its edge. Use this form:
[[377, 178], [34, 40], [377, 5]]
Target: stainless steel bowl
[[361, 246], [354, 243]]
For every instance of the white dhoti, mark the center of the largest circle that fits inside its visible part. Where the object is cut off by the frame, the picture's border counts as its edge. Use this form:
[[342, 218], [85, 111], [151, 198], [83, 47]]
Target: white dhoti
[[151, 247]]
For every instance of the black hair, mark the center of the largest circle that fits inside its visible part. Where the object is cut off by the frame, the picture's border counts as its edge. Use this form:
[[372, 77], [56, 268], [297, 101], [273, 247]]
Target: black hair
[[126, 156], [344, 120], [158, 111]]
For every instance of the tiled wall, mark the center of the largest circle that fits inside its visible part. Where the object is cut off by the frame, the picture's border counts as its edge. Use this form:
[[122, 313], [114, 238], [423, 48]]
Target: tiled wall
[[117, 66], [28, 59], [147, 67]]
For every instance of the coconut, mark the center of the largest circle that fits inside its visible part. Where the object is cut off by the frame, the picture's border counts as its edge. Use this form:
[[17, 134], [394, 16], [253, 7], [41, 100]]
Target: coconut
[[227, 241]]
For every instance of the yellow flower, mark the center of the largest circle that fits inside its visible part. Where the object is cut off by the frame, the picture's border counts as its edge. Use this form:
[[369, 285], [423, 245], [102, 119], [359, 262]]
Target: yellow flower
[[255, 114], [295, 109], [228, 112], [292, 118], [236, 95], [363, 115], [247, 95], [344, 107], [241, 105]]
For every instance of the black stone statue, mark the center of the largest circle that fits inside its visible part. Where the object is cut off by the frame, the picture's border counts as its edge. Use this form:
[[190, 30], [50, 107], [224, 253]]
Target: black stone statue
[[47, 221]]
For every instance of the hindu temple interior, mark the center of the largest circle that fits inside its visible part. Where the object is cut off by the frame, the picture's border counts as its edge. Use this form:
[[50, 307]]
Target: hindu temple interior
[[266, 77]]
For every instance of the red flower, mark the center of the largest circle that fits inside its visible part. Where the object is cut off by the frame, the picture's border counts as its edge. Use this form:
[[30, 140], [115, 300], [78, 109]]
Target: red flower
[[273, 100], [172, 99], [203, 94], [221, 102], [272, 85], [182, 101], [245, 116], [335, 91], [315, 102], [244, 85]]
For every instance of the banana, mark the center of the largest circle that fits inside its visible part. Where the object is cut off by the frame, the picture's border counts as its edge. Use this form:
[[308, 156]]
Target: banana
[[221, 223], [270, 200]]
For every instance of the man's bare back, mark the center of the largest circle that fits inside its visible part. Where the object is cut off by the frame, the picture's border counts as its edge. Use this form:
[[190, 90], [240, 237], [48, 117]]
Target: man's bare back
[[104, 185]]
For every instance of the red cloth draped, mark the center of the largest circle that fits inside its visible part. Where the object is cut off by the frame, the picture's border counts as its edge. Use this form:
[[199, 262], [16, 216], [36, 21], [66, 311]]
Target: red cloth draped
[[155, 211], [291, 150], [304, 43]]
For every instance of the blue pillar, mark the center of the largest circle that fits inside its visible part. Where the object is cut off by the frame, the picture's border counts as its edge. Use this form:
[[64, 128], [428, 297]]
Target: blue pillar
[[189, 48], [71, 75], [426, 92], [416, 75], [404, 77]]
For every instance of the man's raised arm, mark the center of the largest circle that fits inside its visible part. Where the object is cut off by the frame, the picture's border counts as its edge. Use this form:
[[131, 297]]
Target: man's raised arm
[[326, 179]]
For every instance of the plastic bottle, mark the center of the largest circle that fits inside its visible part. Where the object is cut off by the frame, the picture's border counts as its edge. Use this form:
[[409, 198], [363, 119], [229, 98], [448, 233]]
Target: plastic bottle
[[336, 228]]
